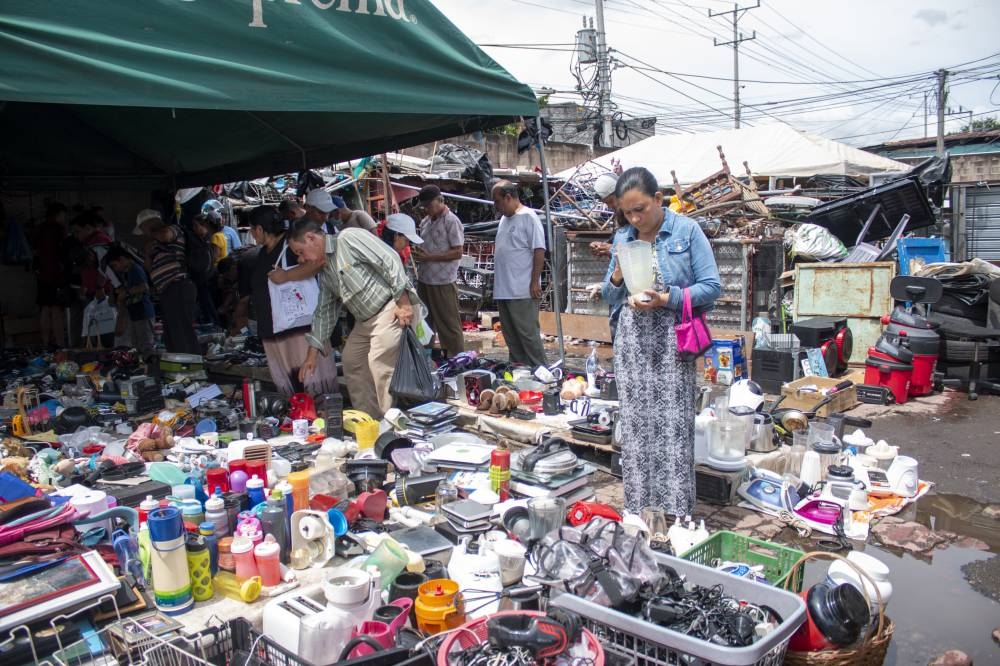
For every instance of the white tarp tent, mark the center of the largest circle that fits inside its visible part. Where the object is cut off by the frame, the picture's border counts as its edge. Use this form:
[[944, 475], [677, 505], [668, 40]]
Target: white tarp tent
[[773, 150]]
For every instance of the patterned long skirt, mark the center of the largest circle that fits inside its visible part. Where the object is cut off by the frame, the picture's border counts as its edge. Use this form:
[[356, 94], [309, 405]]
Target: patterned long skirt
[[656, 429]]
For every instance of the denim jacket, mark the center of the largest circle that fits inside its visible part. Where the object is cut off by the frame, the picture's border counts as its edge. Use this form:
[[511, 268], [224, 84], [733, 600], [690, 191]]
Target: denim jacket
[[686, 261]]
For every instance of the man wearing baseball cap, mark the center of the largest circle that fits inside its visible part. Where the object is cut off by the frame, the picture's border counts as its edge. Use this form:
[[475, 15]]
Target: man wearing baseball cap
[[345, 218], [437, 272], [319, 205]]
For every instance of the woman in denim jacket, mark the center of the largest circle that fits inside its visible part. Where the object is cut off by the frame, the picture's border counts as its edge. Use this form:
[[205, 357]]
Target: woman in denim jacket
[[656, 387]]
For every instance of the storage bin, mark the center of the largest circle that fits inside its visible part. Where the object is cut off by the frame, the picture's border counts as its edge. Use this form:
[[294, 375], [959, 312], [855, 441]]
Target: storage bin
[[642, 643], [724, 546]]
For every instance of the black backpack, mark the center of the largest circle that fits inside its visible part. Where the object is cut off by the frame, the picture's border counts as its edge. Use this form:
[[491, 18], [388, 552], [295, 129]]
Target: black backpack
[[198, 253]]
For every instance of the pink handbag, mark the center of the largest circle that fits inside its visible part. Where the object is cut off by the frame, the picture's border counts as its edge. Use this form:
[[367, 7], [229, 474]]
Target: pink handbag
[[693, 337]]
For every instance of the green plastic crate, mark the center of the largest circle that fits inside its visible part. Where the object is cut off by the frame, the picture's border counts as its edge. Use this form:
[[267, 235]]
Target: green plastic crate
[[732, 547]]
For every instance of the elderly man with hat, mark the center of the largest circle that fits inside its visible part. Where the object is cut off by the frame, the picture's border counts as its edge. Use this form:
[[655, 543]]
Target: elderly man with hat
[[364, 274], [604, 187], [437, 273], [166, 263]]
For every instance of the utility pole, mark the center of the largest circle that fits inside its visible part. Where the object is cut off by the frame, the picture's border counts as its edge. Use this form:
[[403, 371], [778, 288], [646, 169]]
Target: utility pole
[[942, 94], [603, 77], [737, 38]]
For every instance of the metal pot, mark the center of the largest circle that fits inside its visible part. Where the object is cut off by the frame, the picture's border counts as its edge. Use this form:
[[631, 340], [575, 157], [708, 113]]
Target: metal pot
[[763, 434]]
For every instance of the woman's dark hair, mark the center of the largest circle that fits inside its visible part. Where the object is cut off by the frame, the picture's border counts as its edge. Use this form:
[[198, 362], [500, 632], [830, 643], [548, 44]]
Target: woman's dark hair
[[388, 236], [268, 219], [304, 226], [637, 178]]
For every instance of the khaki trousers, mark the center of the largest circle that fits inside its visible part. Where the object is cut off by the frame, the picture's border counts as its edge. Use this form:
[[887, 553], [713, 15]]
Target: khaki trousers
[[443, 316], [369, 360]]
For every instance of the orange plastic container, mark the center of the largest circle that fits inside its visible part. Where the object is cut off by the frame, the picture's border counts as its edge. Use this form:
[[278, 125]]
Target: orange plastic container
[[439, 606], [300, 490]]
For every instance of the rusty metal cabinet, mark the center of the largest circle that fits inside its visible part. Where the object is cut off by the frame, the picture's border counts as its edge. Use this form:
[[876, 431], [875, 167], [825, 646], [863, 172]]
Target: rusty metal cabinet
[[859, 292]]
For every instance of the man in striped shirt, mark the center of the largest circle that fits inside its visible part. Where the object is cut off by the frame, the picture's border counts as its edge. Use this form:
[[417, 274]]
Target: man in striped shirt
[[365, 275], [166, 263]]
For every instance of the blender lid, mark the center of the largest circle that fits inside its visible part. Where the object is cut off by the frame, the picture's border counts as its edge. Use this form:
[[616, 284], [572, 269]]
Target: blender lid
[[844, 472], [826, 447]]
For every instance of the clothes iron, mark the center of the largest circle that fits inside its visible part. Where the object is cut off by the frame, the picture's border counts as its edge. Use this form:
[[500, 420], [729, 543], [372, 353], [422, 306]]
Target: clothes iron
[[821, 513], [768, 492]]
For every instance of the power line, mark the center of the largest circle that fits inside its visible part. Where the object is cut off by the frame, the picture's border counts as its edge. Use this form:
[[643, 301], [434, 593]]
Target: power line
[[855, 136]]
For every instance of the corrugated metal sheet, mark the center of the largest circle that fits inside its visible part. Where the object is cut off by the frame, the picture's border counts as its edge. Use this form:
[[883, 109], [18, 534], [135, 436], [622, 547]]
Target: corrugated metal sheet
[[982, 223]]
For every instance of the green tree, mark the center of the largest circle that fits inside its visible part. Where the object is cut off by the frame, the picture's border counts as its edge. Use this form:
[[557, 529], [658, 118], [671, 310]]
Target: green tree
[[982, 125]]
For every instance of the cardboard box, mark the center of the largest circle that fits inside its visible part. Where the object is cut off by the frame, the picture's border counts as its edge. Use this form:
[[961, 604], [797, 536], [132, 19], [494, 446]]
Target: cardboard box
[[725, 362], [798, 396]]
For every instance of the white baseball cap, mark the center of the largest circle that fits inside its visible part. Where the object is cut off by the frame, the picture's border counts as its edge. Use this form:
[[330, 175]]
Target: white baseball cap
[[605, 184], [320, 198], [404, 224], [145, 215]]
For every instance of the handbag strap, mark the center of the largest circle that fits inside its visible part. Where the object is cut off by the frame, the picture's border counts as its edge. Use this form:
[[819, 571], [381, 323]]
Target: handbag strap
[[686, 311], [281, 257]]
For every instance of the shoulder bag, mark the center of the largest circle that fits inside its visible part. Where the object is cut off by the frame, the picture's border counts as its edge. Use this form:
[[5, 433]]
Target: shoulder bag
[[292, 303]]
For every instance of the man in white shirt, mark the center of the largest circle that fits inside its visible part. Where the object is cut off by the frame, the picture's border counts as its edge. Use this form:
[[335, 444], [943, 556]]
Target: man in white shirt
[[517, 279]]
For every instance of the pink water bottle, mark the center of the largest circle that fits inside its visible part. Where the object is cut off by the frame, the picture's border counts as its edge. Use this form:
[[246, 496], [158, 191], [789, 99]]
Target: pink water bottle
[[268, 556], [242, 551]]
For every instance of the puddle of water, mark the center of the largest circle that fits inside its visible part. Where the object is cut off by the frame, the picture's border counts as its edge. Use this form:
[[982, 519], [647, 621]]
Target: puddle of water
[[961, 515]]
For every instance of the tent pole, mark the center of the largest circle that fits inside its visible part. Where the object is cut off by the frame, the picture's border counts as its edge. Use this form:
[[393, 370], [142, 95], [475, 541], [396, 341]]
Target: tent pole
[[556, 276]]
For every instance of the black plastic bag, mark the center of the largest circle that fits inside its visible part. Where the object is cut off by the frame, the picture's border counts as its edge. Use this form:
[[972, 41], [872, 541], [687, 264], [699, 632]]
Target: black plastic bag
[[413, 381]]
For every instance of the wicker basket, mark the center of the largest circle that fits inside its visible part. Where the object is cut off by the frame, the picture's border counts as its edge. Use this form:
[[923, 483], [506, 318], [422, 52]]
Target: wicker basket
[[869, 652]]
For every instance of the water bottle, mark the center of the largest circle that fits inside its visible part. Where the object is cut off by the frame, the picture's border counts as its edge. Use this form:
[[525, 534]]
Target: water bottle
[[255, 490], [593, 365], [272, 521], [207, 532], [215, 513], [761, 328], [199, 568]]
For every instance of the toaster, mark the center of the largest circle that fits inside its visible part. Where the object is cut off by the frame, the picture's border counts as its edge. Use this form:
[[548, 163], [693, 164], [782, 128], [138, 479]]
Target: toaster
[[308, 627]]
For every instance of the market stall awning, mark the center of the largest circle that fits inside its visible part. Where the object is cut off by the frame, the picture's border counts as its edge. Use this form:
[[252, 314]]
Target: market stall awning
[[188, 92]]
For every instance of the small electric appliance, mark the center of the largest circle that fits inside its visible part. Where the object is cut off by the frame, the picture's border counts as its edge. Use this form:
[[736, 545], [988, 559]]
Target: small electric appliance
[[312, 538], [902, 476], [831, 336], [768, 492], [305, 627]]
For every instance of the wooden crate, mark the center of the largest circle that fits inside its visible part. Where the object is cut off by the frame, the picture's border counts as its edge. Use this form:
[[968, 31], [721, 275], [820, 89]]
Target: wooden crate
[[796, 398]]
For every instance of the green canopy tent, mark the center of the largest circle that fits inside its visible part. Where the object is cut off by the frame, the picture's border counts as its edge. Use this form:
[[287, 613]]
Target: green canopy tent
[[174, 93]]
